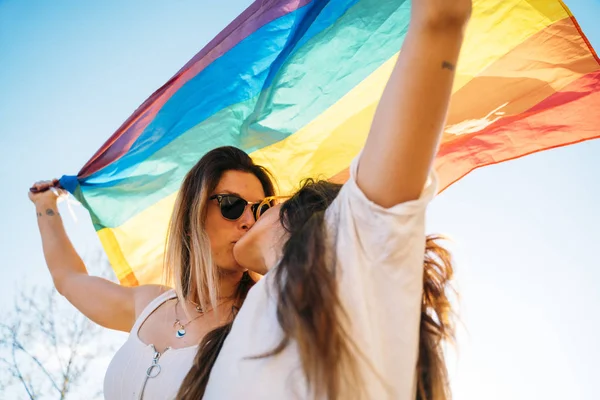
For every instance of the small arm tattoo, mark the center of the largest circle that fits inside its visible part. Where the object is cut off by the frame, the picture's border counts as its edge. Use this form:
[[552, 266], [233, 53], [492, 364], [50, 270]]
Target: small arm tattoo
[[448, 66], [39, 214], [50, 212]]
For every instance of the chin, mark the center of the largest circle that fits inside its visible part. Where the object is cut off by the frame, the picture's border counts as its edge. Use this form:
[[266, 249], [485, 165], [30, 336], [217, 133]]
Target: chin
[[227, 263], [231, 266], [249, 260], [240, 254]]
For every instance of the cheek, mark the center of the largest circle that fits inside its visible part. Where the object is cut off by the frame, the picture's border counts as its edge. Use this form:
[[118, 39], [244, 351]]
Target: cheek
[[239, 253], [247, 251], [250, 243], [217, 228], [246, 245]]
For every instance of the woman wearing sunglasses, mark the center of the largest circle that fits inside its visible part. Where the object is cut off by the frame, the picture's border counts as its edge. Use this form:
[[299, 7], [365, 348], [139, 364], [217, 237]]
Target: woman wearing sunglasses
[[218, 202], [353, 304]]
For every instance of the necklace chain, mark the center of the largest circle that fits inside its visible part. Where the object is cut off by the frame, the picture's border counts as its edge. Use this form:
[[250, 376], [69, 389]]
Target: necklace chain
[[181, 326]]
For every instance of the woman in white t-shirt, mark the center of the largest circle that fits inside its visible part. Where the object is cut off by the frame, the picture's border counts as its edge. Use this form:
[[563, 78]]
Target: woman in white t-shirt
[[353, 302]]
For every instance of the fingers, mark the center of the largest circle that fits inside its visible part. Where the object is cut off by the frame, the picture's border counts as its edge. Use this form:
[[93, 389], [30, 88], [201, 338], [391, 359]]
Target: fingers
[[42, 186]]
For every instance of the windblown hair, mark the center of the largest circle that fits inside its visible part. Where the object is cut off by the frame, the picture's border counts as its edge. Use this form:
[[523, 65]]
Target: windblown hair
[[437, 325], [189, 266], [309, 309], [311, 314]]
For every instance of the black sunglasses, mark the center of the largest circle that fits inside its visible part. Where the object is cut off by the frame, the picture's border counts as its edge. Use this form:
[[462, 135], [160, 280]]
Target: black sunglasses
[[233, 206]]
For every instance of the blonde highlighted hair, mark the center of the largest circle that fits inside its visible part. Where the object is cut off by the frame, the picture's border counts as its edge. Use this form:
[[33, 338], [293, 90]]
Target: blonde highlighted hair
[[189, 267], [188, 263]]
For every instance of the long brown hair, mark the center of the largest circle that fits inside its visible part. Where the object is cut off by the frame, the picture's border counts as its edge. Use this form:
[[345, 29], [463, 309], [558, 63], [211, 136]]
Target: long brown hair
[[437, 325], [309, 309], [310, 312], [189, 266]]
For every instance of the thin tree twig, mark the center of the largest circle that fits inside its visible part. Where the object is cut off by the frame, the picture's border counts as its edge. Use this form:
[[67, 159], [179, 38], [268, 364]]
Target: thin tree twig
[[46, 343], [20, 376], [39, 364]]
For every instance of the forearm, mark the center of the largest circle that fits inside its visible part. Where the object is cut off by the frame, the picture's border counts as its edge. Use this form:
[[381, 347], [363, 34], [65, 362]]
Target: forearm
[[410, 118], [60, 255]]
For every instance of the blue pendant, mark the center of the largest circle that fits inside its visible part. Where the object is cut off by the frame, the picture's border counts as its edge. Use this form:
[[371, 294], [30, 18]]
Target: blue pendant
[[180, 333]]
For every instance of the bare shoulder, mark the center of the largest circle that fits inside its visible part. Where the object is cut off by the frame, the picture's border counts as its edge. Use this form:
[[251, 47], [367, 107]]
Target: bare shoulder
[[144, 294]]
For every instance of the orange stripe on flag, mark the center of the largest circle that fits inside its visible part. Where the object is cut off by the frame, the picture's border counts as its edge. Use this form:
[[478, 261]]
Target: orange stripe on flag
[[531, 72], [568, 117], [540, 95]]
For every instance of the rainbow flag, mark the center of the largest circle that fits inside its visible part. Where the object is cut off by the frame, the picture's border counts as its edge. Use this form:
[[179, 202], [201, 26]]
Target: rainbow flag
[[295, 83]]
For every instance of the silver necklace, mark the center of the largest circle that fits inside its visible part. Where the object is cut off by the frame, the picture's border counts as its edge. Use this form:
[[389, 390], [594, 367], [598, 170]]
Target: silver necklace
[[180, 327]]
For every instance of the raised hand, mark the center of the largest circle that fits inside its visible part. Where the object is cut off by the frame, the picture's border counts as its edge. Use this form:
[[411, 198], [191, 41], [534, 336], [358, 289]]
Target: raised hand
[[45, 192]]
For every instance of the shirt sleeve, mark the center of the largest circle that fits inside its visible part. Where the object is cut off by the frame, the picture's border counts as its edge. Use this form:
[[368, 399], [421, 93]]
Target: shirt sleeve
[[381, 236]]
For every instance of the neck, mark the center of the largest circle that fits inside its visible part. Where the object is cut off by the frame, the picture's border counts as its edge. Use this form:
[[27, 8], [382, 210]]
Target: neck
[[228, 285], [229, 282]]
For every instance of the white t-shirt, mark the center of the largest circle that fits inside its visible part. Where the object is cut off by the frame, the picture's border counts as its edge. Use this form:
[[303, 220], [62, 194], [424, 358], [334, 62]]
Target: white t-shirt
[[380, 258]]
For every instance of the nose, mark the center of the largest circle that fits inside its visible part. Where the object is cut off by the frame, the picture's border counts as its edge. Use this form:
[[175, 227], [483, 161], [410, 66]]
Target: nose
[[247, 219]]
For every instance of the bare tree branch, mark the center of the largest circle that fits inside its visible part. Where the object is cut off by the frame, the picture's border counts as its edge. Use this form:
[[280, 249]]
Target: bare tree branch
[[46, 346], [37, 362], [43, 347], [20, 375]]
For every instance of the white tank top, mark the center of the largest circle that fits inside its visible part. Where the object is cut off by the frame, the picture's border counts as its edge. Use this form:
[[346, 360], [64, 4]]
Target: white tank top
[[130, 375]]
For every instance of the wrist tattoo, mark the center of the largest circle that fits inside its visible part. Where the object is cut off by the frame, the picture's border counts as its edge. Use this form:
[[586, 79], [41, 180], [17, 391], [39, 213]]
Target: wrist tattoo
[[39, 214], [448, 66], [50, 212]]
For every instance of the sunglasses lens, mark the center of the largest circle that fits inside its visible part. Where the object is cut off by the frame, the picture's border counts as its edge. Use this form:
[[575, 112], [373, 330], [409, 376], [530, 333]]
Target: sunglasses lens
[[260, 209], [232, 207], [263, 208]]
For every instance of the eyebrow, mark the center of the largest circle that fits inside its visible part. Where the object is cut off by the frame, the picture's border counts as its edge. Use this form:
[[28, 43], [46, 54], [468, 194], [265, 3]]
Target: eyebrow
[[229, 192], [225, 191]]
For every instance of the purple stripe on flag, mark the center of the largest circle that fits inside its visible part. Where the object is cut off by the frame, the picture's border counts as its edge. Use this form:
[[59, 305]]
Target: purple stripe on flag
[[260, 13]]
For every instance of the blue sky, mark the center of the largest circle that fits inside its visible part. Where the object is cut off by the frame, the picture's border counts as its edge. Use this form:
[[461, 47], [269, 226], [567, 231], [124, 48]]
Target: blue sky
[[71, 72]]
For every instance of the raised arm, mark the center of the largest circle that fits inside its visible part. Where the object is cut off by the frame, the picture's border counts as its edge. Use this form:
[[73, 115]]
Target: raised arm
[[104, 302], [411, 115]]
